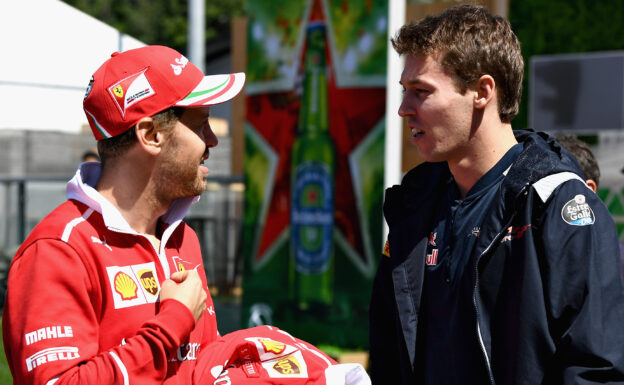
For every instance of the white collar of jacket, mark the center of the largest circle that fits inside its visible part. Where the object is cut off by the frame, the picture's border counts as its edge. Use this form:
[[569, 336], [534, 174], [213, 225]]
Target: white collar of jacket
[[82, 188]]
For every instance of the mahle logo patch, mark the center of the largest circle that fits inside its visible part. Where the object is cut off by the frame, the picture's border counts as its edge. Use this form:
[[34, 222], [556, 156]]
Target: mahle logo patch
[[577, 212]]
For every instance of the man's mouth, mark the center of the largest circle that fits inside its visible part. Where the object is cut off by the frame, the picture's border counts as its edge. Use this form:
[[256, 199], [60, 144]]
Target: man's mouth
[[204, 157]]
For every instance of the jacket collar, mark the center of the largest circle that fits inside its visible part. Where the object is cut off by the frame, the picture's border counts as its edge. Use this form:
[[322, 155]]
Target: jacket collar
[[417, 188], [541, 156]]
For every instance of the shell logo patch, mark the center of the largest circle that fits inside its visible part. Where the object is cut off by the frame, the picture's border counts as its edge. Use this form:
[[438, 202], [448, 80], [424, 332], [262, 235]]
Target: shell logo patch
[[131, 90], [125, 286], [274, 347], [133, 285], [577, 212]]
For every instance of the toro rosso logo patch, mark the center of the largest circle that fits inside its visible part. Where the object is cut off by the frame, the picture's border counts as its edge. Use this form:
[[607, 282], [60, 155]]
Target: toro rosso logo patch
[[577, 212]]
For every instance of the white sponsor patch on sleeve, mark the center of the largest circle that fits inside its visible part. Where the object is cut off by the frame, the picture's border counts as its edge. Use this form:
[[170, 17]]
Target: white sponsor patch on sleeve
[[577, 212]]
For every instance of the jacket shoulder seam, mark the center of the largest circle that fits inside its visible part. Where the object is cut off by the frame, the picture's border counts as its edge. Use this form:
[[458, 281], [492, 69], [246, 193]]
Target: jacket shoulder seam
[[545, 186], [73, 223]]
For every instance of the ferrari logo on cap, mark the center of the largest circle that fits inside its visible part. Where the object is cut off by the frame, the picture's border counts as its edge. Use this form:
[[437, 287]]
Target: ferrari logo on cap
[[131, 90], [118, 91]]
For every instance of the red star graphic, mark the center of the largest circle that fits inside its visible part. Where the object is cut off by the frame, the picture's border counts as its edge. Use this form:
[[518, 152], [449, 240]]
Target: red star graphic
[[353, 113]]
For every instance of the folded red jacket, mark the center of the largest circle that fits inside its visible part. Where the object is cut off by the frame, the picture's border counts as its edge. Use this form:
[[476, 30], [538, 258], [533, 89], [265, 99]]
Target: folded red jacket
[[268, 355]]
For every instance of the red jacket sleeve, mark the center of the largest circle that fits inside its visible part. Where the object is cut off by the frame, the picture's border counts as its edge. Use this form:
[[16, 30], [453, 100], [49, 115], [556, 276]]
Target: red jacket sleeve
[[51, 329]]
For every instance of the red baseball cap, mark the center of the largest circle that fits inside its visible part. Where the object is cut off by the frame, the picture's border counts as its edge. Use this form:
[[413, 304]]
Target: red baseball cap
[[145, 81]]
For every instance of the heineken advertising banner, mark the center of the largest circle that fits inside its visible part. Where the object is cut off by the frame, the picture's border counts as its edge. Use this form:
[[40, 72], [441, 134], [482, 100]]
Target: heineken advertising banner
[[314, 143]]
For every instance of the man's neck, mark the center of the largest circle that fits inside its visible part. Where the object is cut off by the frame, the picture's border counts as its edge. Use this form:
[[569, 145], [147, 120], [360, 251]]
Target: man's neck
[[483, 152], [132, 193]]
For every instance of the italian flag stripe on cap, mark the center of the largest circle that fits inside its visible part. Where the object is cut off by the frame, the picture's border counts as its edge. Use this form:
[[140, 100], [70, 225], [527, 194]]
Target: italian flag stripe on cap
[[101, 129], [214, 89]]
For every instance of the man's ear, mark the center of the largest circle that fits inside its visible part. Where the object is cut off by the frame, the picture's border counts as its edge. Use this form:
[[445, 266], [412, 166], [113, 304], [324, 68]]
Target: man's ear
[[485, 91], [148, 137], [592, 184]]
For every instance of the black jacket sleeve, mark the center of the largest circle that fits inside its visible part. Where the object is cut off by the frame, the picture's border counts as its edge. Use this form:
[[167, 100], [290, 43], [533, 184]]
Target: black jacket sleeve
[[583, 288]]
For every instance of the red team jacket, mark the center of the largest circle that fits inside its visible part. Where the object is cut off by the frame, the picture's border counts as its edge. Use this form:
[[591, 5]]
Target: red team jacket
[[82, 305]]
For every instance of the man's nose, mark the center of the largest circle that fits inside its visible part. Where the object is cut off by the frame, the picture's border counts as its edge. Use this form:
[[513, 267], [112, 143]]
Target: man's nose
[[209, 136], [404, 108]]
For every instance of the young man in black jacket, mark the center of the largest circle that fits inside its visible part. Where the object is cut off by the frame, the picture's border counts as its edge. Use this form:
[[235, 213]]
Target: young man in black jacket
[[501, 265]]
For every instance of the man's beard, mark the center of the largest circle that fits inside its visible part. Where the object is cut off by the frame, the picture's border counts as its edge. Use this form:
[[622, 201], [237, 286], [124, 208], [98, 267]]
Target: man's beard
[[177, 179]]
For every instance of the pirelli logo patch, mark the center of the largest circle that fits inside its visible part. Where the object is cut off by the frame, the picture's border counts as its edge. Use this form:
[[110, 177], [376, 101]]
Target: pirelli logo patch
[[61, 353], [133, 285]]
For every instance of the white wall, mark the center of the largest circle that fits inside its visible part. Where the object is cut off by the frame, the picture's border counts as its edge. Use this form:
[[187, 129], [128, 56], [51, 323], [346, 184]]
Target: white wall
[[49, 52]]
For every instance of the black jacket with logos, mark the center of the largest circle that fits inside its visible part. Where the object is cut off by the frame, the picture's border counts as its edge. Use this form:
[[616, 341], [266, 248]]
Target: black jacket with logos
[[548, 293]]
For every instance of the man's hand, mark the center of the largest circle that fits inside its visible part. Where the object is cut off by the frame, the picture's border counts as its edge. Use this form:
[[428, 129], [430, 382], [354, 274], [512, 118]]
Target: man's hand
[[186, 287]]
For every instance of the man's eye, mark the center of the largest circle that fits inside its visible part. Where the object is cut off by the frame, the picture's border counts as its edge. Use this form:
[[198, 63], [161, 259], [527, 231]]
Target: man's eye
[[418, 92]]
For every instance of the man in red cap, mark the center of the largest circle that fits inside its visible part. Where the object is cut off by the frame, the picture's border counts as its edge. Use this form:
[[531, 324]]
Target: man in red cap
[[109, 288]]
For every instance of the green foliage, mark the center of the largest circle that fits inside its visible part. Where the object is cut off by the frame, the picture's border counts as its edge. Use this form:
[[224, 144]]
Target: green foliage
[[5, 373], [564, 26], [162, 21]]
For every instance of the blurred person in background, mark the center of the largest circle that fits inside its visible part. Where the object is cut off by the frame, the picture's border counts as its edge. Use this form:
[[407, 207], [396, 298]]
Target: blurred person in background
[[501, 265], [109, 288], [90, 155], [585, 157]]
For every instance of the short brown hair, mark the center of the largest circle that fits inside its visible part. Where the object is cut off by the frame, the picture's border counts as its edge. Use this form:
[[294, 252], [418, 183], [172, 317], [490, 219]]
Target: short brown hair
[[583, 154], [118, 145], [471, 42]]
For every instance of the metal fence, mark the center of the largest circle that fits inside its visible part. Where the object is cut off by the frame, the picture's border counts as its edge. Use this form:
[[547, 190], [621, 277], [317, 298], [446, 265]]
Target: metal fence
[[216, 218]]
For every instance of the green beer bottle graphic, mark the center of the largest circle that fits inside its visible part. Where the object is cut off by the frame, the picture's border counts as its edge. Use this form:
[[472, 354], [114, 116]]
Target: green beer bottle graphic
[[312, 188]]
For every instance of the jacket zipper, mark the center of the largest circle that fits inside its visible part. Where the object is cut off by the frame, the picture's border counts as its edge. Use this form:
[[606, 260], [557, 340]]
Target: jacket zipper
[[162, 258], [476, 285]]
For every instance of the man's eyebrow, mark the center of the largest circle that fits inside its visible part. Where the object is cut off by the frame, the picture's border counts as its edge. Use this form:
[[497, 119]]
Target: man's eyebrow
[[420, 80]]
